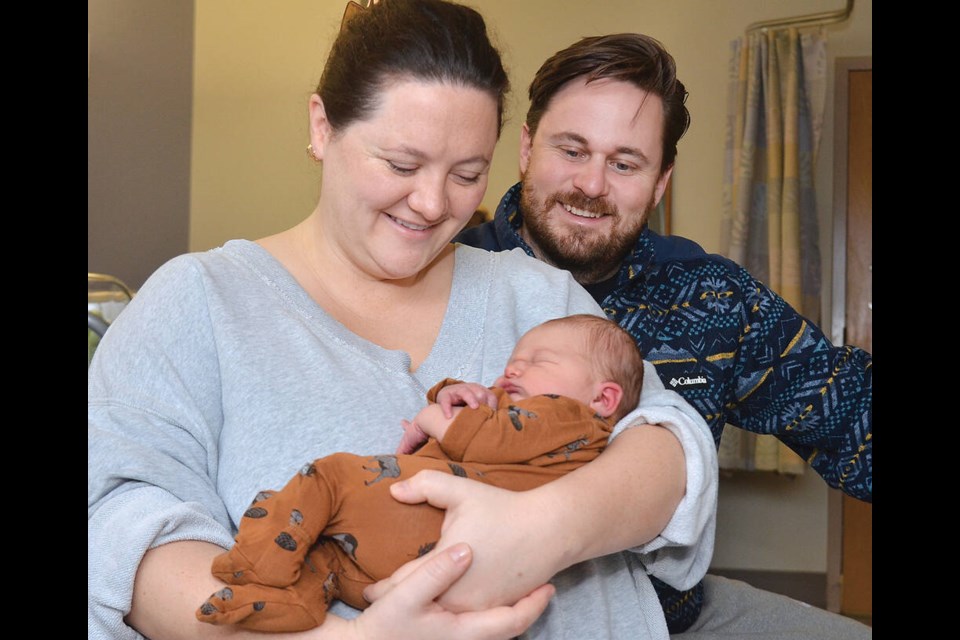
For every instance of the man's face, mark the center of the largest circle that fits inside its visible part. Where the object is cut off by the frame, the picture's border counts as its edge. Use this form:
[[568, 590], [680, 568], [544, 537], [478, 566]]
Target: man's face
[[592, 175]]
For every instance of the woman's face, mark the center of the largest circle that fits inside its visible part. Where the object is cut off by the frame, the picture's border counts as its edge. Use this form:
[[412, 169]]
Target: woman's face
[[400, 184]]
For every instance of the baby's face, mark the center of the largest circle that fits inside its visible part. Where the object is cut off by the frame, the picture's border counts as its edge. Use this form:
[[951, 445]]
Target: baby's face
[[549, 359]]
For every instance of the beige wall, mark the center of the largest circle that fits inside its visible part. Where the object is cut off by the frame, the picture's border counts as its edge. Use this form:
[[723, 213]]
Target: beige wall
[[256, 63], [139, 105]]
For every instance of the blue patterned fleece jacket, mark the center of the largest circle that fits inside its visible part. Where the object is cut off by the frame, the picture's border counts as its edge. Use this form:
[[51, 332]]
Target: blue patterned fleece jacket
[[736, 351]]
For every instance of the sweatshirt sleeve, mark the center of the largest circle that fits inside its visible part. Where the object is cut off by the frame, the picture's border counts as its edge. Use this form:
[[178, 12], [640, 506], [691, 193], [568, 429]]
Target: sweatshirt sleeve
[[152, 433], [680, 555]]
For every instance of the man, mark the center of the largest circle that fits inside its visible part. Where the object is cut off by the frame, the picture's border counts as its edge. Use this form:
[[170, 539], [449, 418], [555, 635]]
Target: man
[[597, 150]]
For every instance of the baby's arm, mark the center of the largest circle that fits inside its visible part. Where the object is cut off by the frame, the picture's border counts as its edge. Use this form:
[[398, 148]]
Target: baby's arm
[[430, 421], [470, 394], [449, 395]]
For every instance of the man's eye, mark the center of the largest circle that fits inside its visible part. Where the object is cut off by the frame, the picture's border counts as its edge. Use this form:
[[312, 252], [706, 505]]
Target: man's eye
[[466, 179]]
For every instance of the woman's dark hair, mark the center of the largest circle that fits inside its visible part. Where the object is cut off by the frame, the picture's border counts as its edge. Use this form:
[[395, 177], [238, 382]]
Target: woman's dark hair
[[414, 39], [628, 57]]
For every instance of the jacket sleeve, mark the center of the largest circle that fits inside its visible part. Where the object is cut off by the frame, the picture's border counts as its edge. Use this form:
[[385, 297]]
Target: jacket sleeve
[[791, 382]]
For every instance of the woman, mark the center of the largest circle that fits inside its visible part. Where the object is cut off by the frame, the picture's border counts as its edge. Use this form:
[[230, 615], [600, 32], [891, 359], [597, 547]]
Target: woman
[[233, 367]]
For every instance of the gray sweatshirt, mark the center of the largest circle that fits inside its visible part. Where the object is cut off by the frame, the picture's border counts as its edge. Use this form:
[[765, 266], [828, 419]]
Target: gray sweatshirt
[[223, 377]]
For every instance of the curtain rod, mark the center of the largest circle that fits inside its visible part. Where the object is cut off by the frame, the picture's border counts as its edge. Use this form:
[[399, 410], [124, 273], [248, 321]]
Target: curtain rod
[[826, 17]]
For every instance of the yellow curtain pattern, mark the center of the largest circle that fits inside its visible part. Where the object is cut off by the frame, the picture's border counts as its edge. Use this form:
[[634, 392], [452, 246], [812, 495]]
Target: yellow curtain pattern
[[774, 115]]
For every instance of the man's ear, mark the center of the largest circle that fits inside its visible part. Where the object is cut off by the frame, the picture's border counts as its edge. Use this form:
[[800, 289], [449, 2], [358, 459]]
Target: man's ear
[[662, 183], [320, 130], [526, 141], [607, 398]]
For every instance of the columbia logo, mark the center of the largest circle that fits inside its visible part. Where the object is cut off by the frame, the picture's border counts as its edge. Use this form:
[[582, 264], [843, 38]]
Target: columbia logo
[[685, 382]]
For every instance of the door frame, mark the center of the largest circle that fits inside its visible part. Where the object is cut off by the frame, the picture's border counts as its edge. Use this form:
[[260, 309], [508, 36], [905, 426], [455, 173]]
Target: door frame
[[843, 67]]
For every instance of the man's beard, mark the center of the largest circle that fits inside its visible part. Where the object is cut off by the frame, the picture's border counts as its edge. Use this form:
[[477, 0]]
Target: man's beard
[[590, 257]]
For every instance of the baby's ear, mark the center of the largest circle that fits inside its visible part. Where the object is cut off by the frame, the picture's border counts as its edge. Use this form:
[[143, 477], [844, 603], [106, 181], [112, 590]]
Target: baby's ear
[[607, 398]]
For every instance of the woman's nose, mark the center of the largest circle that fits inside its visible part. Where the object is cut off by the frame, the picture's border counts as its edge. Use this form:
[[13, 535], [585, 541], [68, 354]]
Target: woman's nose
[[591, 178], [429, 199]]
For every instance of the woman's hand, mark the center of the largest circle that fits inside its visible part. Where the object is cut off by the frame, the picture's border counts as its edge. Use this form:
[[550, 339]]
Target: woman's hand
[[510, 526], [521, 539], [174, 578], [410, 611]]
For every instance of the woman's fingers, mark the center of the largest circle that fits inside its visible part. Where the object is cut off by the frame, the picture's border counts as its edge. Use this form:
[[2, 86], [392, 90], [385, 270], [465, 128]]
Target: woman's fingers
[[512, 621], [433, 577], [409, 609], [504, 529], [379, 589]]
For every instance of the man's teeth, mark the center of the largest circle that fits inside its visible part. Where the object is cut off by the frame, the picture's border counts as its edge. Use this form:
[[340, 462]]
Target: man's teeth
[[581, 212], [415, 227]]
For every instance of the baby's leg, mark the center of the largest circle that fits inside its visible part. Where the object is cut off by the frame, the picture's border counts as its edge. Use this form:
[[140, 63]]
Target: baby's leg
[[377, 532], [277, 531]]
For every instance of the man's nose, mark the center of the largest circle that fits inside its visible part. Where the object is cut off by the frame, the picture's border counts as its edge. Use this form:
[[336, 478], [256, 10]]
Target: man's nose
[[591, 178]]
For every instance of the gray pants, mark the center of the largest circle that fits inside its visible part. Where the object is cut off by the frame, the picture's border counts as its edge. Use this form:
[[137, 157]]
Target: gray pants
[[734, 609]]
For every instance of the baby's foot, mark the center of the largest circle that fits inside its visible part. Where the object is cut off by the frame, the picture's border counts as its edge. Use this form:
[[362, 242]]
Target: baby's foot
[[262, 608], [275, 562]]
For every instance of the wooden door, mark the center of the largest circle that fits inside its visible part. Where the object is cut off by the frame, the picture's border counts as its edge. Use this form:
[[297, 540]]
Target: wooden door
[[854, 258]]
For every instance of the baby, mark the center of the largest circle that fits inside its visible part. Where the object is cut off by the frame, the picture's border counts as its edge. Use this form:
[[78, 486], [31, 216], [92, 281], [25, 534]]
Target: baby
[[334, 528]]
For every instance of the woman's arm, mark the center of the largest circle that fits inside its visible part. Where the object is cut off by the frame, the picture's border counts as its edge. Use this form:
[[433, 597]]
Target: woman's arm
[[620, 500], [175, 577]]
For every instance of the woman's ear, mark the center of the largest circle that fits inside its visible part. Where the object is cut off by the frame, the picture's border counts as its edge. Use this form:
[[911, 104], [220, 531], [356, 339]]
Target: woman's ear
[[320, 130], [607, 398]]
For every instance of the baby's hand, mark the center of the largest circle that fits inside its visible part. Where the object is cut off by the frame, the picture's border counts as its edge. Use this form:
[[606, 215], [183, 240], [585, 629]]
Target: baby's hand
[[471, 394], [413, 437]]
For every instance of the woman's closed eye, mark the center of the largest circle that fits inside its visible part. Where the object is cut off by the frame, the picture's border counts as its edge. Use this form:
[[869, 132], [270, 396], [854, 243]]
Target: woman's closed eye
[[466, 179], [409, 170], [402, 169]]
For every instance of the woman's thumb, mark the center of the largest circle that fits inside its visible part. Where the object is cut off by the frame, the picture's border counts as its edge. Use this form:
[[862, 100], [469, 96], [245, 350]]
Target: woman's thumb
[[436, 487], [436, 575]]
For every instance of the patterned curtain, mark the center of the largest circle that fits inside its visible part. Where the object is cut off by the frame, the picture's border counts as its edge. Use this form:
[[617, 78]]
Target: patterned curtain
[[775, 99]]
